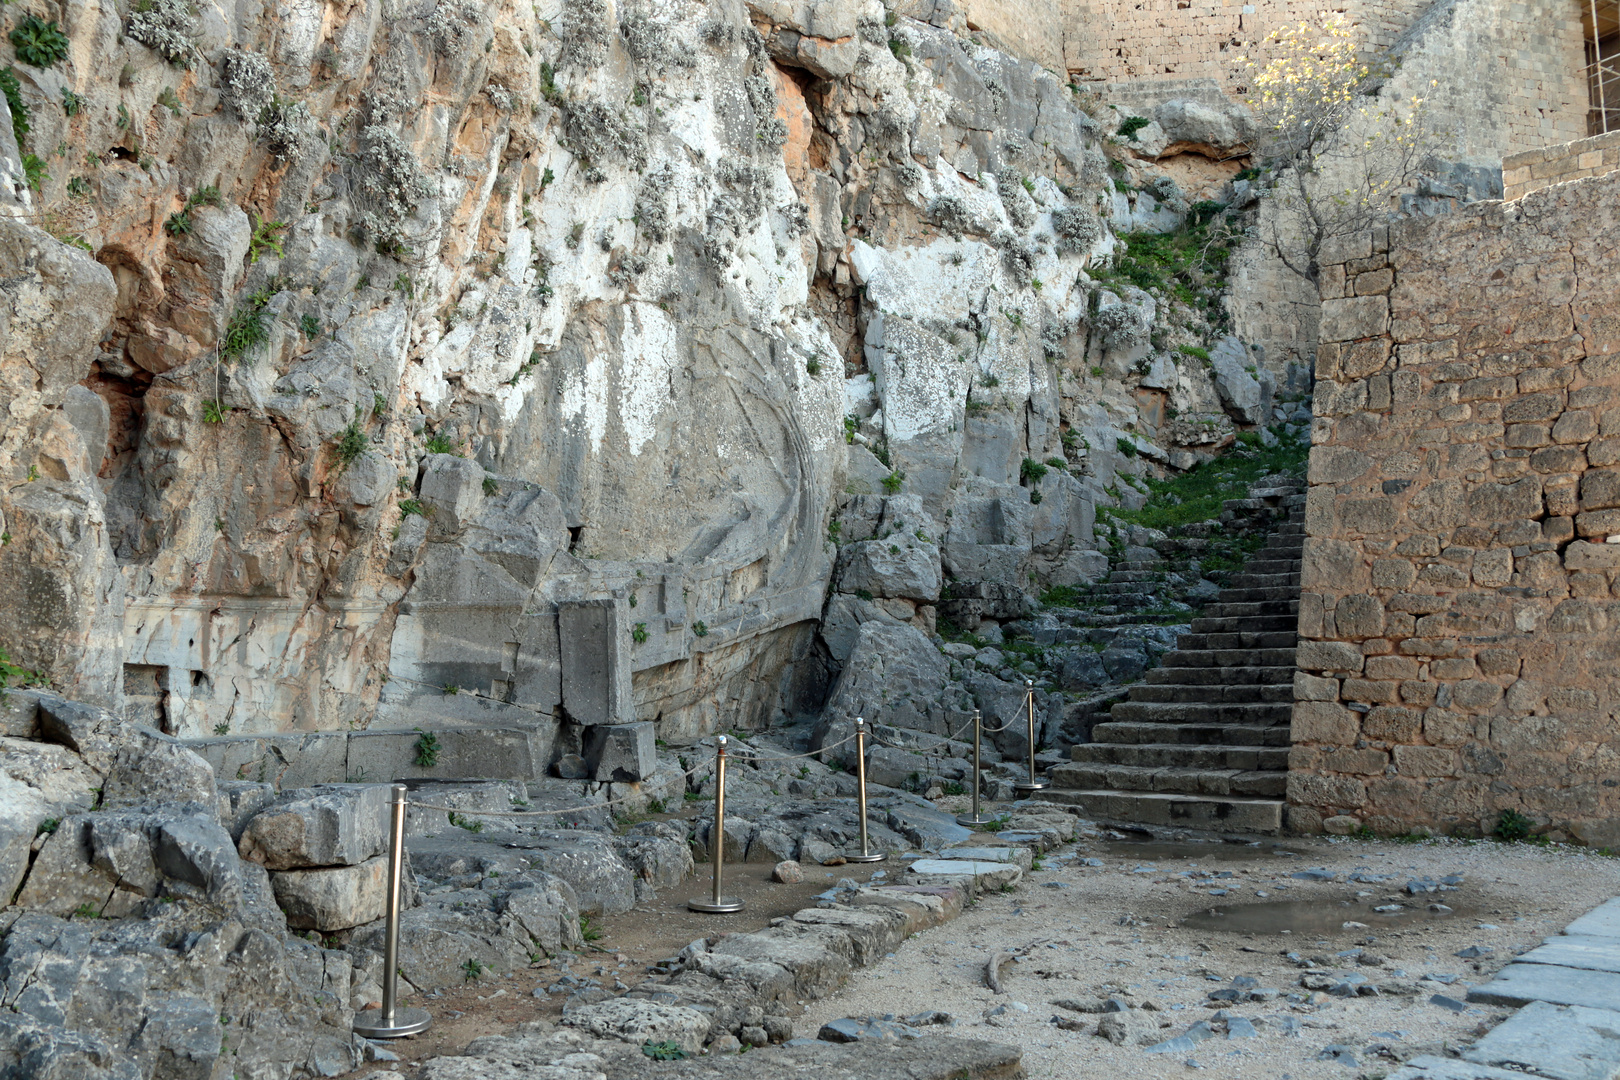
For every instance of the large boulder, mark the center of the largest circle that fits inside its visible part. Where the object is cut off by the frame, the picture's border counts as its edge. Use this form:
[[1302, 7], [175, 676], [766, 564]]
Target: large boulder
[[896, 676], [900, 567], [338, 897], [137, 764], [1244, 386]]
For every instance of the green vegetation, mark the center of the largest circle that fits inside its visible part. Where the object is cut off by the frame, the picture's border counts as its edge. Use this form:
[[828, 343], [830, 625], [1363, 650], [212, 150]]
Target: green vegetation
[[700, 628], [264, 239], [474, 967], [1131, 125], [213, 411], [78, 187], [638, 633], [589, 930], [168, 99], [13, 675], [1513, 826], [440, 444], [310, 326], [1178, 263], [664, 1051], [1125, 446], [19, 109], [1031, 471], [1197, 352], [427, 750], [34, 172], [407, 507], [352, 444], [86, 911], [462, 822], [38, 43], [892, 482], [492, 487], [1197, 494]]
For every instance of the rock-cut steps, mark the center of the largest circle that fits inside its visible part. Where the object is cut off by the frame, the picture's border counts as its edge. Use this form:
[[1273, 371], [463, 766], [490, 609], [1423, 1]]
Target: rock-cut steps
[[1203, 740]]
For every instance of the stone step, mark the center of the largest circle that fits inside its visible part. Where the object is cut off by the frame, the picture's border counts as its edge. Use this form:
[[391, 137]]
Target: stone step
[[1230, 814], [1230, 658], [1271, 580], [1134, 575], [1213, 677], [1279, 593], [1189, 734], [1126, 588], [1183, 755], [1085, 775], [1191, 694], [1250, 609], [1224, 624], [1267, 639], [1278, 712], [1272, 566]]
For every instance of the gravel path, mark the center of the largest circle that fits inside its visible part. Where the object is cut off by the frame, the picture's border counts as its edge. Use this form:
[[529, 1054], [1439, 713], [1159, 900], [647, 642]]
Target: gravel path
[[1138, 927]]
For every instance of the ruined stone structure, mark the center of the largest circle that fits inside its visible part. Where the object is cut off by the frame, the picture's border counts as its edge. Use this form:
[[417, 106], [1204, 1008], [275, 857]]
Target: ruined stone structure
[[1457, 652]]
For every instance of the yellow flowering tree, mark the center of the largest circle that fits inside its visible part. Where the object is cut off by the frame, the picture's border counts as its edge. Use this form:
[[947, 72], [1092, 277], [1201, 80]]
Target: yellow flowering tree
[[1336, 145]]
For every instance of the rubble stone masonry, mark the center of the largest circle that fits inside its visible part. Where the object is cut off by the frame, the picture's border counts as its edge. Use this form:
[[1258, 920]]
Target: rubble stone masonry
[[1460, 616], [1536, 169]]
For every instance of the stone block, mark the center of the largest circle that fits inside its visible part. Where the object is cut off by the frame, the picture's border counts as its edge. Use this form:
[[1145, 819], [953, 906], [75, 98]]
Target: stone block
[[642, 1022], [495, 753], [1313, 688], [331, 825], [902, 567], [452, 490], [1324, 722], [334, 898], [1558, 1042], [620, 753], [1425, 761], [594, 636], [1329, 656], [1354, 317]]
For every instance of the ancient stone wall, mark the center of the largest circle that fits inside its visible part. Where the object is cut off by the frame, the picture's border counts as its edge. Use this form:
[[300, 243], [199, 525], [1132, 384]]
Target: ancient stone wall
[[1458, 657], [1536, 169]]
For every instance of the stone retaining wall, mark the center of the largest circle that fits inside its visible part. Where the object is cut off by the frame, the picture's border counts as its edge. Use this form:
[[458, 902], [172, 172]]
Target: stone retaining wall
[[1536, 169], [1458, 654]]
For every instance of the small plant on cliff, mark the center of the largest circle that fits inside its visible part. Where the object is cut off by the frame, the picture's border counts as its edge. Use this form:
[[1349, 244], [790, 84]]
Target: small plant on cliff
[[34, 172], [264, 239], [638, 633], [1125, 447], [351, 445], [222, 729], [1031, 471], [247, 329], [167, 27], [492, 488], [589, 930], [213, 412], [310, 326], [1131, 125], [473, 968], [1513, 826], [38, 43], [407, 507], [16, 675], [440, 444], [892, 482], [427, 750], [19, 110], [461, 822], [700, 628]]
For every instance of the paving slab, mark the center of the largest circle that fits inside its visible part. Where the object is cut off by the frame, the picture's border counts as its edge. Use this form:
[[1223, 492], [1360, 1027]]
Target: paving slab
[[933, 1057], [1520, 984], [984, 875], [1560, 1042], [1601, 921], [1019, 855], [1583, 951], [1439, 1068]]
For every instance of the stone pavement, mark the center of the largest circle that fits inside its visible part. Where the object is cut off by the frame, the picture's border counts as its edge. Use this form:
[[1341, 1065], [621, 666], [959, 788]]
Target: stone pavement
[[1569, 1025]]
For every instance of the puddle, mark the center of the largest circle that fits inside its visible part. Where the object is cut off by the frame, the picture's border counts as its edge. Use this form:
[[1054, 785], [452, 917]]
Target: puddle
[[1312, 917], [1148, 851]]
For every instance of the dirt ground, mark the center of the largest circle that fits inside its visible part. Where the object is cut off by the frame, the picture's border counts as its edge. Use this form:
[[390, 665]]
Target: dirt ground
[[1135, 927], [628, 944]]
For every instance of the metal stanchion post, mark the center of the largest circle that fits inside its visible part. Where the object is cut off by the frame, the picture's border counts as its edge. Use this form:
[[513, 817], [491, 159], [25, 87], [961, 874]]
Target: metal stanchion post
[[717, 904], [975, 818], [866, 855], [1032, 784], [391, 1021]]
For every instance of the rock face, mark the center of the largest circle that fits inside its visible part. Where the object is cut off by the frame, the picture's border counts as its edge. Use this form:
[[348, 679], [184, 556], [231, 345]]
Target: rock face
[[526, 396]]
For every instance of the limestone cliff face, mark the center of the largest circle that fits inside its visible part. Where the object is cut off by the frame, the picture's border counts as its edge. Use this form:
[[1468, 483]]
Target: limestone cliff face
[[402, 323]]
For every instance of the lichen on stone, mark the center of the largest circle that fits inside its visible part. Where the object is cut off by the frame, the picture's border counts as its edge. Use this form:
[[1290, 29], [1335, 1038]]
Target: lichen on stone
[[389, 176], [1077, 229], [585, 32], [1120, 326], [595, 131], [454, 25], [167, 27]]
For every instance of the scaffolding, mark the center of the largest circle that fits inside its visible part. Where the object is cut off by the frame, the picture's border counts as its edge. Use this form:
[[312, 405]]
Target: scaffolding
[[1601, 23]]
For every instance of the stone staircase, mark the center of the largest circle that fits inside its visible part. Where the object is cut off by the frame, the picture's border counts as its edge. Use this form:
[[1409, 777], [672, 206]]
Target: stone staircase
[[1203, 740]]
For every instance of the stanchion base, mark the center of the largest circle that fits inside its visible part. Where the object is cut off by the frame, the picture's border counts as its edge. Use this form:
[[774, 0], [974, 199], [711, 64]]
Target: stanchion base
[[370, 1024], [969, 819], [876, 856], [709, 906], [1031, 785]]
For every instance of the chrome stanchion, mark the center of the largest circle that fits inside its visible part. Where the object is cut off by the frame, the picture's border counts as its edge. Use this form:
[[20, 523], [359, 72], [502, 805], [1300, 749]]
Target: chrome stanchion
[[717, 904], [975, 818], [866, 855], [1032, 784], [391, 1021]]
